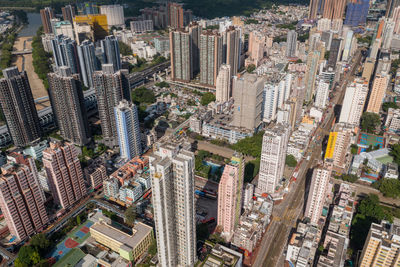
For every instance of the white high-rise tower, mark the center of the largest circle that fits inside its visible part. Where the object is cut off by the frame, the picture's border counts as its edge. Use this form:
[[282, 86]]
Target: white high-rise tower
[[172, 174]]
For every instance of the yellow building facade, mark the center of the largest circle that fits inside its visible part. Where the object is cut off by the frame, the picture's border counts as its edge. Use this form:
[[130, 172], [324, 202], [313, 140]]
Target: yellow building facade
[[130, 247], [97, 22]]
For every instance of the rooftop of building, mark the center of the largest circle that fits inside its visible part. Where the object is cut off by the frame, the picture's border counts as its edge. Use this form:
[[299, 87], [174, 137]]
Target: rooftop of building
[[140, 231]]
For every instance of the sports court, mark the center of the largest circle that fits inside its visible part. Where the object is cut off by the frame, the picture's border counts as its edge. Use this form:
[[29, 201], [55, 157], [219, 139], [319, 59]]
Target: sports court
[[73, 239]]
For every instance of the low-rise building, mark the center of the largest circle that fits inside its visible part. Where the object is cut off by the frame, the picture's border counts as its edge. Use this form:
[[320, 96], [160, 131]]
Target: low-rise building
[[95, 174], [36, 150], [222, 256], [392, 123], [220, 128], [253, 223], [129, 246], [303, 244]]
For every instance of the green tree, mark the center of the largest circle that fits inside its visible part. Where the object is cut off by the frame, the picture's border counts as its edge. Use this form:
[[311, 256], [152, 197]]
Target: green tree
[[368, 211], [35, 258], [251, 68], [78, 220], [349, 178], [354, 149], [19, 263], [143, 95], [250, 145], [41, 243], [153, 248], [291, 161], [124, 49], [390, 187], [326, 56], [130, 215], [388, 105], [207, 98], [395, 153], [163, 84], [25, 255], [299, 61], [369, 122]]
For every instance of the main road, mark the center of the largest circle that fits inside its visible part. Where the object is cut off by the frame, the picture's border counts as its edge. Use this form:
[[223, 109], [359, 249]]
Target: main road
[[286, 214]]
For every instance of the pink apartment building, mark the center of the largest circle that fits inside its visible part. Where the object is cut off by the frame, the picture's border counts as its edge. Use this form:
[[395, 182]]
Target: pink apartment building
[[227, 200], [65, 174], [21, 200]]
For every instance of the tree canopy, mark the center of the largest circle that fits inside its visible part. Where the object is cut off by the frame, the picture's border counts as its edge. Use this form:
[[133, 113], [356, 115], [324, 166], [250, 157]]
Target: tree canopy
[[207, 98], [143, 95], [368, 211], [395, 153], [388, 105], [370, 122], [251, 68], [124, 49], [130, 215], [250, 145], [291, 161]]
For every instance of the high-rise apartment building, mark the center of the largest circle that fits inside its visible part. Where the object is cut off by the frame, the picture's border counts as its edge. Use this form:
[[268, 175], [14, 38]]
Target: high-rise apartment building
[[338, 146], [194, 30], [18, 107], [334, 9], [210, 57], [21, 201], [180, 48], [178, 18], [356, 12], [313, 59], [172, 174], [127, 123], [256, 48], [318, 192], [390, 7], [115, 15], [223, 87], [270, 96], [334, 53], [247, 92], [291, 43], [111, 87], [175, 15], [313, 9], [47, 14], [185, 52], [63, 28], [68, 103], [68, 13], [321, 96], [97, 24], [354, 101], [382, 245], [231, 48], [111, 51], [273, 155], [142, 26], [377, 93], [230, 191], [65, 53], [64, 173], [88, 62]]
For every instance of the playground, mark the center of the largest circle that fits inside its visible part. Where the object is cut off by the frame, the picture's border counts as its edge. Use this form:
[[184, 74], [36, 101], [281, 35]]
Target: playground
[[73, 239]]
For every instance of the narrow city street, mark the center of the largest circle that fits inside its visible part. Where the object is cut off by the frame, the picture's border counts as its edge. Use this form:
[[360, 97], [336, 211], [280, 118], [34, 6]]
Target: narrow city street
[[287, 213]]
